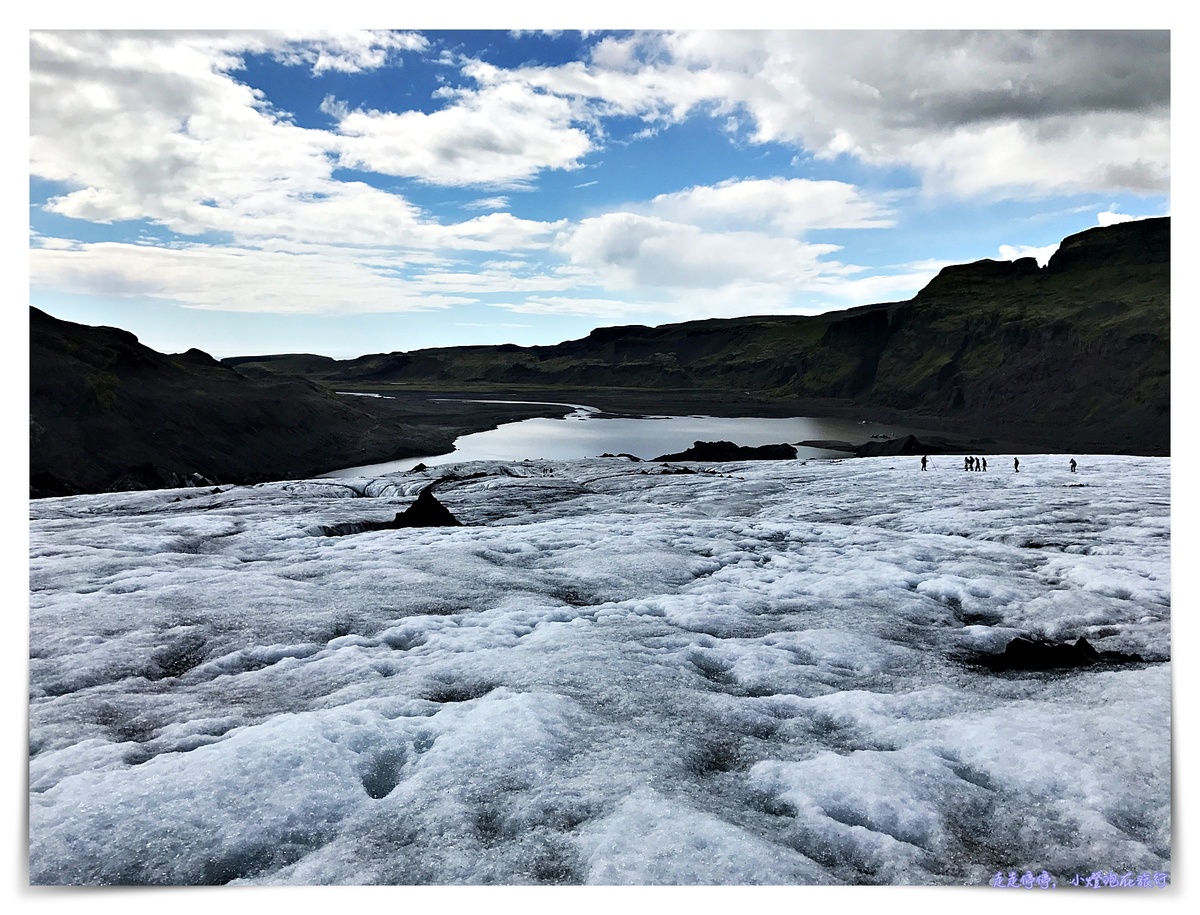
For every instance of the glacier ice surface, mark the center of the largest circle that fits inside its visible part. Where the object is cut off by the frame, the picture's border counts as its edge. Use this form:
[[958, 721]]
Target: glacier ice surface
[[758, 673]]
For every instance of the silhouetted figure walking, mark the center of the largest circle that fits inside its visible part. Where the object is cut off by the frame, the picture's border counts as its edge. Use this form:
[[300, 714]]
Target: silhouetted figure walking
[[1016, 465], [985, 465], [925, 460], [966, 463], [1072, 465]]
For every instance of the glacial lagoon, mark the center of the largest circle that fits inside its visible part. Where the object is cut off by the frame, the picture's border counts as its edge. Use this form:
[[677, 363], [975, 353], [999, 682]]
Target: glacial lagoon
[[586, 433]]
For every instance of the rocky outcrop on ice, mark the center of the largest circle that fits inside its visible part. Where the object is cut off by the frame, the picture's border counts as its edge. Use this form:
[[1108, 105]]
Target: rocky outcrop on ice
[[909, 445], [728, 451], [1037, 654], [426, 511]]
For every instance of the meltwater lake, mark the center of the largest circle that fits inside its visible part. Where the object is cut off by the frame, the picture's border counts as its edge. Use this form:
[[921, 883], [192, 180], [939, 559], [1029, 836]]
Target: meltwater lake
[[586, 433]]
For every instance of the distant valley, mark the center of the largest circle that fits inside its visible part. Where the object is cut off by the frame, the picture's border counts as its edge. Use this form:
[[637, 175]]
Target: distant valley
[[1074, 356]]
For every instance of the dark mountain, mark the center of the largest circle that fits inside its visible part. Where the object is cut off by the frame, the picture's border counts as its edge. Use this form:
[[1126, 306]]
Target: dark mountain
[[1073, 356], [104, 408], [107, 413]]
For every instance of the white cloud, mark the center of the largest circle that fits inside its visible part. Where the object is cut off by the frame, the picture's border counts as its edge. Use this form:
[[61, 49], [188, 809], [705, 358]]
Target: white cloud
[[149, 126], [493, 232], [584, 306], [1041, 254], [790, 206], [347, 52], [897, 283], [500, 135], [1111, 218], [626, 250], [39, 241], [232, 279], [154, 127], [487, 203], [491, 279], [1057, 155], [738, 298], [1064, 110]]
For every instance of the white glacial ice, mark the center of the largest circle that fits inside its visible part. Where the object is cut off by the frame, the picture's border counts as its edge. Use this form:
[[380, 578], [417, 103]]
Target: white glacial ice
[[614, 673]]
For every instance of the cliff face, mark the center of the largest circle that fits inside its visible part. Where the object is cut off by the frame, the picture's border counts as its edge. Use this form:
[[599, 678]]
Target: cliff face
[[1081, 346]]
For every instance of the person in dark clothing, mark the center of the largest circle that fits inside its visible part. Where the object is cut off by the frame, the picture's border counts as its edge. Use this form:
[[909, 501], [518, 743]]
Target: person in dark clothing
[[966, 463], [925, 460], [1073, 465], [985, 465], [1016, 465]]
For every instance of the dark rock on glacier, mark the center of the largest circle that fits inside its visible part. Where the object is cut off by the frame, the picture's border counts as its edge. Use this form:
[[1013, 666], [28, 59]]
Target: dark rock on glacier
[[1030, 654], [426, 511], [728, 451], [909, 444]]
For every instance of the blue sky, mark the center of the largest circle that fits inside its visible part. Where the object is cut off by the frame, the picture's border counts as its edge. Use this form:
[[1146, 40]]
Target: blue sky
[[357, 192]]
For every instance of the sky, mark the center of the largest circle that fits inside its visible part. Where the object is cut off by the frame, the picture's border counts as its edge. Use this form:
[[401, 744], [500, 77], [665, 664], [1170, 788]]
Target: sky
[[345, 193]]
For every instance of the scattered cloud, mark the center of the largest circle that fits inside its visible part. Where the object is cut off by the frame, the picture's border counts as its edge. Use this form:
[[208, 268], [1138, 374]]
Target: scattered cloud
[[493, 232], [790, 206], [500, 136], [1110, 218], [583, 306], [1041, 254], [487, 203], [222, 199], [626, 250], [1101, 152], [232, 279], [347, 52], [1064, 110]]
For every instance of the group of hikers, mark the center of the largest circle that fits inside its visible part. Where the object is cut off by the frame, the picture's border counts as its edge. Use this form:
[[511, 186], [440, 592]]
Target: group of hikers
[[980, 464]]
